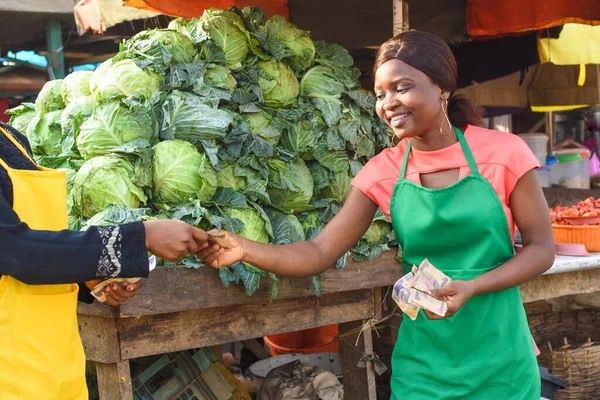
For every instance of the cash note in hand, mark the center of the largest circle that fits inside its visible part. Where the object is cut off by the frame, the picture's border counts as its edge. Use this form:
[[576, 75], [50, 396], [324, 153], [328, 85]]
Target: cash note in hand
[[428, 302], [429, 277], [401, 294]]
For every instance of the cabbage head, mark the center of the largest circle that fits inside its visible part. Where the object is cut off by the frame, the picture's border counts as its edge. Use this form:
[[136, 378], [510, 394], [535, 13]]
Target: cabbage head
[[125, 78], [278, 84], [45, 134], [226, 29], [76, 85], [21, 116], [254, 225], [97, 75], [227, 178], [260, 125], [186, 117], [301, 138], [290, 185], [161, 48], [181, 173], [114, 124], [377, 232], [321, 85], [339, 186], [50, 98], [75, 113], [219, 76], [290, 42], [286, 228], [104, 181]]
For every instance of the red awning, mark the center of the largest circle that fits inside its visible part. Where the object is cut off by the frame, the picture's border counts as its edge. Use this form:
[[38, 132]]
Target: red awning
[[195, 8]]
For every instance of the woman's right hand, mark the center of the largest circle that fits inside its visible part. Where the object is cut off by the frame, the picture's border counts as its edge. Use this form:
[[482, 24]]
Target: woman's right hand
[[172, 240], [223, 248]]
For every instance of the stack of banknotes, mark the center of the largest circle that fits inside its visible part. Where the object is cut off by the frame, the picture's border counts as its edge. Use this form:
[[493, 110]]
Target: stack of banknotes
[[411, 291]]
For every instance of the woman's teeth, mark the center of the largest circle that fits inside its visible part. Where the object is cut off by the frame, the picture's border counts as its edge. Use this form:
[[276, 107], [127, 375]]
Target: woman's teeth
[[399, 117]]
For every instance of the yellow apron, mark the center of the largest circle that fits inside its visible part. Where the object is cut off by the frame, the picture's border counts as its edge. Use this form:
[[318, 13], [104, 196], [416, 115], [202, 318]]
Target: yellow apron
[[41, 355]]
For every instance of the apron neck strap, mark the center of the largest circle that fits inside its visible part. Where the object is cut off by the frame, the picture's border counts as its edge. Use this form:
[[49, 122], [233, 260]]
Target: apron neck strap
[[18, 145], [463, 145]]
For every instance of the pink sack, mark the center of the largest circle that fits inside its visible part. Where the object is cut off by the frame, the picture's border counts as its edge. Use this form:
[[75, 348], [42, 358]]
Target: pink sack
[[594, 165]]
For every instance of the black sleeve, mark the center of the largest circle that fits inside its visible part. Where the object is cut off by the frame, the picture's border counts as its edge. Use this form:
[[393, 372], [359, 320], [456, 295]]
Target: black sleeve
[[47, 257]]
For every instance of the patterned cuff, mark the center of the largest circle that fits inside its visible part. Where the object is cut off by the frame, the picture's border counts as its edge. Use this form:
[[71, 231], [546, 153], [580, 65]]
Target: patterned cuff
[[123, 251], [109, 263]]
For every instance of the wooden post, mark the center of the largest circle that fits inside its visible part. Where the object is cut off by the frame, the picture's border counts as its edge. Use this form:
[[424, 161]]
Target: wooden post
[[359, 383], [56, 58], [114, 381], [550, 130], [400, 17]]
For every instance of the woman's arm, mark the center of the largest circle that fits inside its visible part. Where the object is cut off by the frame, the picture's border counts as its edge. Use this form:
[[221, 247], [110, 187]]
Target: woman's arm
[[530, 212], [308, 258], [49, 257]]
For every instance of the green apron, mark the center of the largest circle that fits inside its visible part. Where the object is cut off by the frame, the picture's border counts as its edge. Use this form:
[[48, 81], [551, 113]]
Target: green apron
[[485, 350]]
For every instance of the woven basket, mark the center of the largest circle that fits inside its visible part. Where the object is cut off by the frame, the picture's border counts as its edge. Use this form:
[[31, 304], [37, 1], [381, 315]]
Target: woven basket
[[588, 235], [579, 366]]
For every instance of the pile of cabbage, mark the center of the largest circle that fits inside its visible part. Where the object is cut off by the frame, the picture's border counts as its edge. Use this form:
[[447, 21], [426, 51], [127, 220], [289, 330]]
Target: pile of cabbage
[[232, 120]]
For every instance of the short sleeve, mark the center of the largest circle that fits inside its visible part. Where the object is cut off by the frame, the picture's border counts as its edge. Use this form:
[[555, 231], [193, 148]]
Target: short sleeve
[[378, 177], [520, 160]]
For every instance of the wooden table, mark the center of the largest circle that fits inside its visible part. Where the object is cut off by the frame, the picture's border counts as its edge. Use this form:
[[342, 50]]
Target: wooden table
[[183, 309]]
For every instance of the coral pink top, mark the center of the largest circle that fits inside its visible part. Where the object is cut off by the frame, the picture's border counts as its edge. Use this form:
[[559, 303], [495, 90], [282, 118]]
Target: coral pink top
[[502, 158]]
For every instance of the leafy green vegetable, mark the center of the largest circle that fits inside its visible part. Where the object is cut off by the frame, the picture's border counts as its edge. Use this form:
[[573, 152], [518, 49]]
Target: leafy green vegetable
[[278, 84], [104, 181], [290, 185], [260, 125], [286, 40], [21, 116], [254, 226], [75, 86], [124, 78], [181, 173], [118, 126], [45, 134], [159, 49], [50, 98], [184, 116]]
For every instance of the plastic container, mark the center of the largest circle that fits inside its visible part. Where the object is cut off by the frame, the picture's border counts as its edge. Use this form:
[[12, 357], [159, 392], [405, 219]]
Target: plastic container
[[573, 169], [309, 341], [537, 142], [544, 176]]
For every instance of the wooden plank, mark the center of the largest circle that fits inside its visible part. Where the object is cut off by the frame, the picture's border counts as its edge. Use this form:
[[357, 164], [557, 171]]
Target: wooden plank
[[182, 289], [358, 381], [96, 309], [114, 381], [166, 333], [99, 337], [557, 285]]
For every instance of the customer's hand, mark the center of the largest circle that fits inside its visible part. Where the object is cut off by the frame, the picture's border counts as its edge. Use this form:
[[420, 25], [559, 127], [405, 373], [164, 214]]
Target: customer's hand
[[117, 293], [223, 248], [172, 240]]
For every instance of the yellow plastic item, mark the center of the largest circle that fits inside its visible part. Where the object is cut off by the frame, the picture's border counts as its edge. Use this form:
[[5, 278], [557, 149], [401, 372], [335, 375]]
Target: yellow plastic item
[[577, 44]]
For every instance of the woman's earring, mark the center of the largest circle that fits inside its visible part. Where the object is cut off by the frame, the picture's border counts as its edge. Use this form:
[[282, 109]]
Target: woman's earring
[[445, 112]]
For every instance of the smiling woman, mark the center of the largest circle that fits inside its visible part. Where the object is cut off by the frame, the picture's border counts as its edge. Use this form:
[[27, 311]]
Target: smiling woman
[[454, 193]]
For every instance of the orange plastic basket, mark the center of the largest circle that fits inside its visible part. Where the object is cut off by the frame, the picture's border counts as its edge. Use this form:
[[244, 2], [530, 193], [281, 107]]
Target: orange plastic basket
[[588, 235]]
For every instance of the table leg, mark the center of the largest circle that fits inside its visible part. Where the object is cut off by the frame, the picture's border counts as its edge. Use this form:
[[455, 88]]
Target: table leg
[[359, 383], [114, 381]]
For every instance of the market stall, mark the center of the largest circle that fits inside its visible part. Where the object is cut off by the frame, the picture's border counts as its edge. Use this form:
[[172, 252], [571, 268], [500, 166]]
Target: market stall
[[181, 309]]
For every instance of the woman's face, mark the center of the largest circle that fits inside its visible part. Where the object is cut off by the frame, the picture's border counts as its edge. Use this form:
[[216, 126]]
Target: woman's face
[[407, 100]]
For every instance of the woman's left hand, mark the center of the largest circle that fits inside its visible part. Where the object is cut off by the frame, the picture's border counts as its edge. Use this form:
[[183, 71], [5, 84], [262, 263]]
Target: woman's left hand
[[455, 294], [117, 294]]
